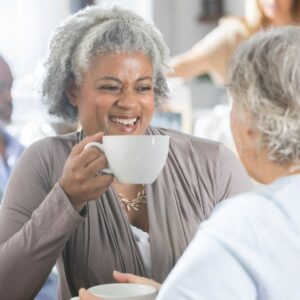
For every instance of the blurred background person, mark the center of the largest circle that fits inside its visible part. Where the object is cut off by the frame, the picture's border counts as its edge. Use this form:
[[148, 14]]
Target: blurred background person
[[212, 54], [10, 148]]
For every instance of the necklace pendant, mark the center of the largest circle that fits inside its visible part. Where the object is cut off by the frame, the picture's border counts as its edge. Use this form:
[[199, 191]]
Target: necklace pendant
[[134, 204]]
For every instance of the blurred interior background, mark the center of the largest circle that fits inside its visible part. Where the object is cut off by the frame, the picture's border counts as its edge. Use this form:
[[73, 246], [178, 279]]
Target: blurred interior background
[[25, 30]]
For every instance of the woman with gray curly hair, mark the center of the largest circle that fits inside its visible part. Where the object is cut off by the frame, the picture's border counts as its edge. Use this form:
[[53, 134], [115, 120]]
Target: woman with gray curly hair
[[249, 247], [106, 68]]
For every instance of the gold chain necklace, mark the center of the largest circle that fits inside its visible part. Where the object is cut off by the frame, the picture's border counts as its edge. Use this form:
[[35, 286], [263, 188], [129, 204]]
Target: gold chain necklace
[[134, 203]]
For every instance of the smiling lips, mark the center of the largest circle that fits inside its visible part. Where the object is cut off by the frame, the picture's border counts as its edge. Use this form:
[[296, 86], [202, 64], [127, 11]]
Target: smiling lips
[[128, 124]]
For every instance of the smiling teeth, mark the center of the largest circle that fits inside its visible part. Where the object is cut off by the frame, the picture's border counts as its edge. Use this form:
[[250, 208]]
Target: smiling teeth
[[124, 121]]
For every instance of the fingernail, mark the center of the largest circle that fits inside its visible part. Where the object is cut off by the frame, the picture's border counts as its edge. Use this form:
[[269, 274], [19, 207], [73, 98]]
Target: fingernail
[[81, 291]]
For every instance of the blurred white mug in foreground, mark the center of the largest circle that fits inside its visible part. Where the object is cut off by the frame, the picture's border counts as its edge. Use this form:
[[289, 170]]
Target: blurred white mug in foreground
[[134, 159], [124, 291]]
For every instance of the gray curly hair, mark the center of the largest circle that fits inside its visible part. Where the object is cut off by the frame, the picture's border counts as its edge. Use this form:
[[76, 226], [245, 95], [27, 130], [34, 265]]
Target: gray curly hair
[[92, 31], [264, 80]]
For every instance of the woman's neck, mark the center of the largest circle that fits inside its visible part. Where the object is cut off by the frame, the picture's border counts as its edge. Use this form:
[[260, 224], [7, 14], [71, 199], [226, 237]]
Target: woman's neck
[[266, 171], [271, 171], [282, 20]]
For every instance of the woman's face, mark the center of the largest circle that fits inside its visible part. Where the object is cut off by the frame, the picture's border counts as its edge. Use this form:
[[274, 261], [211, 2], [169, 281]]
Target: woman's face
[[277, 11], [115, 95]]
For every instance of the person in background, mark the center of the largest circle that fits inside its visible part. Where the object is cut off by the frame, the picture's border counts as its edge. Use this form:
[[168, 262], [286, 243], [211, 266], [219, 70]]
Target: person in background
[[212, 54], [10, 151], [10, 148], [249, 247], [106, 68]]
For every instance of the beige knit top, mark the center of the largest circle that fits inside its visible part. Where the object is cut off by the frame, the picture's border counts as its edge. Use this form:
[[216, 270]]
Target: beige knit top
[[39, 226]]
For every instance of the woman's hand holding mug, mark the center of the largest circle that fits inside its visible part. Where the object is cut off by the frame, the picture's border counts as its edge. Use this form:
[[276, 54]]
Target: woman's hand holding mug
[[79, 178]]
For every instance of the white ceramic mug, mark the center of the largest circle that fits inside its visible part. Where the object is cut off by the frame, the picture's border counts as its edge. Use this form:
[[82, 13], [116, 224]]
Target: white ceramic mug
[[134, 159], [124, 291]]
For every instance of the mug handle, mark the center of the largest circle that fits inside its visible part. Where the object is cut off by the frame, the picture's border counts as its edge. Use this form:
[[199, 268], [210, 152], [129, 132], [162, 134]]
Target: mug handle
[[101, 148]]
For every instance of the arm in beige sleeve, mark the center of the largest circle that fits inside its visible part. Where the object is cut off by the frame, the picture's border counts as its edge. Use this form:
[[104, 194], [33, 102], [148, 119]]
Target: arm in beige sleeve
[[36, 220], [210, 53]]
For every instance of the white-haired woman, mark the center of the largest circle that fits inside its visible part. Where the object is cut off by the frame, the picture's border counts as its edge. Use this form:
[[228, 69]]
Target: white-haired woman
[[106, 68], [249, 247]]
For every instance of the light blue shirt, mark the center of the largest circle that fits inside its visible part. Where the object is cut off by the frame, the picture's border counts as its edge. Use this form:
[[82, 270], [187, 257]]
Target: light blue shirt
[[248, 249], [12, 153]]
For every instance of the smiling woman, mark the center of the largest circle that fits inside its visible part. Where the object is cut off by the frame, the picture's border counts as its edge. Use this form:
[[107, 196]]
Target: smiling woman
[[107, 68], [116, 95]]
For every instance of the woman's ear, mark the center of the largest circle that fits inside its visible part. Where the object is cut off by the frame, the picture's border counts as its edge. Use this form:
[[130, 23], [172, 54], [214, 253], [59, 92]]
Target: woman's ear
[[72, 91], [252, 134]]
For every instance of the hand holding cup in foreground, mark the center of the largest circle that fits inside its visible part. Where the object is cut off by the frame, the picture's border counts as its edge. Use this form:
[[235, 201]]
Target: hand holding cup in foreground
[[131, 278], [122, 278], [85, 295], [79, 178]]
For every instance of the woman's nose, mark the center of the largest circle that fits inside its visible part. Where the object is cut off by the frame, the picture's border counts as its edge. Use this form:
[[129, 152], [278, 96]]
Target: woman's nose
[[128, 99]]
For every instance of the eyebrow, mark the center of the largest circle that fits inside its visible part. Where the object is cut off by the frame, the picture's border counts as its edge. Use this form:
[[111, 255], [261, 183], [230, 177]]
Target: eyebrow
[[119, 81], [145, 78], [110, 78]]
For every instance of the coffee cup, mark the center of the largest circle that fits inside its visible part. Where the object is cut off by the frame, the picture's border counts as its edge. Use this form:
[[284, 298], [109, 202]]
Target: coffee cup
[[124, 291], [134, 159]]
